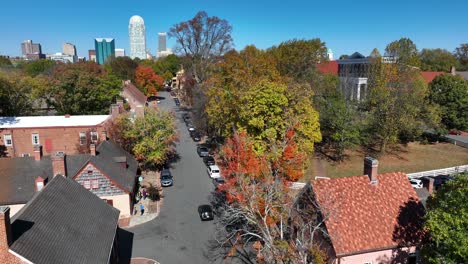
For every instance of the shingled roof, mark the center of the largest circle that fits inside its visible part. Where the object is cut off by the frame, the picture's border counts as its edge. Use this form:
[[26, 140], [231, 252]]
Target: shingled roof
[[364, 217], [65, 223], [17, 177]]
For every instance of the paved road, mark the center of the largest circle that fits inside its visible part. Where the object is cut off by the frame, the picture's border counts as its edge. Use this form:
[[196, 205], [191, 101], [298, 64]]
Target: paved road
[[177, 235]]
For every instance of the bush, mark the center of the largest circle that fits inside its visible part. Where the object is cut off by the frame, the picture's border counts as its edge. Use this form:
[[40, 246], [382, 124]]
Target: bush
[[153, 193]]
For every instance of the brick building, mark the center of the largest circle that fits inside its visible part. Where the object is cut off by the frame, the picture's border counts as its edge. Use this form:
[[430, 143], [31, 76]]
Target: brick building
[[63, 223], [373, 218], [68, 133], [107, 171]]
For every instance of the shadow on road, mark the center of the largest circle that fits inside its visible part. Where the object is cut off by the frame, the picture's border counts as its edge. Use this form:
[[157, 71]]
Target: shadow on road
[[125, 242]]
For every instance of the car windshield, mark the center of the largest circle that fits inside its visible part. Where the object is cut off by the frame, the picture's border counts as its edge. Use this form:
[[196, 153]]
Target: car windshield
[[215, 171], [204, 149], [165, 173], [219, 180], [166, 177]]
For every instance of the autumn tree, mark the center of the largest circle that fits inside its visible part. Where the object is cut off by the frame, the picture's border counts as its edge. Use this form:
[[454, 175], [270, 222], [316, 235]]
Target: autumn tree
[[297, 58], [148, 81], [83, 88], [461, 53], [122, 67], [42, 66], [150, 138], [446, 222], [405, 51], [5, 62], [450, 93], [437, 60], [257, 209], [397, 105], [202, 40]]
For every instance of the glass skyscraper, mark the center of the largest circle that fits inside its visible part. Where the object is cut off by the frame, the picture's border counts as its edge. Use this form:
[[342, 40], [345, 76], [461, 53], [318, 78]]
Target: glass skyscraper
[[105, 48], [162, 41], [136, 32]]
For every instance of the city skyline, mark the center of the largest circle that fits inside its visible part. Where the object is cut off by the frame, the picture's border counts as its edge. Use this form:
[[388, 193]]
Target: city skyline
[[345, 27]]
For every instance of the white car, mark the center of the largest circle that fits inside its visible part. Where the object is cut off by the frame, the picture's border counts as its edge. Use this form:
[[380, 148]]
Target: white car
[[417, 184], [214, 172]]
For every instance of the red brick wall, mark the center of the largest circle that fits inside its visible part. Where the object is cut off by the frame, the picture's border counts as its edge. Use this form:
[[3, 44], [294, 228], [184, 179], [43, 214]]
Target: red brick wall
[[5, 256], [53, 139]]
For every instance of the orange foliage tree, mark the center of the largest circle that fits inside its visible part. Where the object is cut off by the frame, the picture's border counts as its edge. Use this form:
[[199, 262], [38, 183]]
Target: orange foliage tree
[[148, 81], [257, 205]]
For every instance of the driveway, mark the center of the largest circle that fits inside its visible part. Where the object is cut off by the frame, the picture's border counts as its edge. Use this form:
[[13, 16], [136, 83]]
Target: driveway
[[178, 235]]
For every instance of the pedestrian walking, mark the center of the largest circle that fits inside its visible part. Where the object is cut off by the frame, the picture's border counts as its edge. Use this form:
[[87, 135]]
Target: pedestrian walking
[[144, 194], [142, 209], [135, 210]]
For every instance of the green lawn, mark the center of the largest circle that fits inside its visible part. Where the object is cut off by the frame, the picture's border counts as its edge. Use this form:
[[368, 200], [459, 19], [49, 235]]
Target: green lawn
[[413, 158]]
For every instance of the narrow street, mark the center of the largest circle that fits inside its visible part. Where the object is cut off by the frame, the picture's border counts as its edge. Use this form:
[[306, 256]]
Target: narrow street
[[178, 235]]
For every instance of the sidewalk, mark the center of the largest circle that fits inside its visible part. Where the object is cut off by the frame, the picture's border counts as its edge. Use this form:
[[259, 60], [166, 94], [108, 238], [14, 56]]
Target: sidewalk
[[151, 208]]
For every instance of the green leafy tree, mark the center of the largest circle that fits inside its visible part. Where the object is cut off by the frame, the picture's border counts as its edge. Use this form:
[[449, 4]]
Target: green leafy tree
[[202, 40], [375, 53], [461, 53], [405, 51], [450, 92], [122, 67], [5, 62], [297, 58], [37, 67], [84, 88], [151, 137], [6, 106], [437, 60], [169, 63], [447, 223]]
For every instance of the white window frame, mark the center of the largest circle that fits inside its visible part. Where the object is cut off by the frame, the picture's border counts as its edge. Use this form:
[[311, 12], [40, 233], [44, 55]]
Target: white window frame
[[87, 184], [95, 184], [34, 138], [94, 136], [82, 135], [6, 138]]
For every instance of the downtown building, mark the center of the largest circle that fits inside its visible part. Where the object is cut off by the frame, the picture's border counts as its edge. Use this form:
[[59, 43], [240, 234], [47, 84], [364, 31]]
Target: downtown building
[[163, 51], [137, 36], [105, 48], [31, 51]]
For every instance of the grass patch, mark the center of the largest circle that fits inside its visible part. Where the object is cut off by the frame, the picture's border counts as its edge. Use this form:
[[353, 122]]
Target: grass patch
[[414, 157]]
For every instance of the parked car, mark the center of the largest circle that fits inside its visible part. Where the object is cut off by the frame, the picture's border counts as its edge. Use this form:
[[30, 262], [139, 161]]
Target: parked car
[[196, 136], [209, 160], [417, 184], [440, 180], [202, 151], [190, 127], [218, 181], [177, 102], [214, 171], [186, 117], [166, 178], [206, 212]]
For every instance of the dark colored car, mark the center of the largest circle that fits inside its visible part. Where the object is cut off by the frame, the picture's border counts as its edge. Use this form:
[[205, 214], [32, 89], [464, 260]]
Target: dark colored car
[[218, 181], [186, 118], [209, 160], [202, 151], [166, 178], [177, 102], [206, 212], [196, 136]]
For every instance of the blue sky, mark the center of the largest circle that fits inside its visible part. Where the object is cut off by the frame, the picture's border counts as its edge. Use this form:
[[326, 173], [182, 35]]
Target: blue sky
[[345, 26]]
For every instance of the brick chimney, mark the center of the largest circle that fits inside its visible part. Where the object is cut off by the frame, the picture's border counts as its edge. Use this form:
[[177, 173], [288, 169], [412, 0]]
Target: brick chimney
[[371, 167], [103, 135], [39, 183], [5, 233], [428, 183], [120, 103], [115, 110], [92, 149], [37, 152], [140, 111], [58, 164]]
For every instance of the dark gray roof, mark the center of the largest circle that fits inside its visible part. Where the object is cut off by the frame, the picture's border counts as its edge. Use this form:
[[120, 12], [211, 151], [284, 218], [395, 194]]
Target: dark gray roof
[[17, 177], [104, 160], [75, 163], [65, 223]]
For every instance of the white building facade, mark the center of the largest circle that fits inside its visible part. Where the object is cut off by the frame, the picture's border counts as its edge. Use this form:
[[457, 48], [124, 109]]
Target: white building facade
[[137, 34]]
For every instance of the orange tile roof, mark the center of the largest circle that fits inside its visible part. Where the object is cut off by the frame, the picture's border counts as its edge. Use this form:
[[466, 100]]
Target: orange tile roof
[[364, 217], [328, 67], [429, 76]]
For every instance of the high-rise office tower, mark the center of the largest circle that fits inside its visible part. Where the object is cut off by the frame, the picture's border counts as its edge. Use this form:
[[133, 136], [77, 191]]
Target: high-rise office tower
[[105, 48], [31, 51], [69, 49], [161, 41], [136, 32]]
